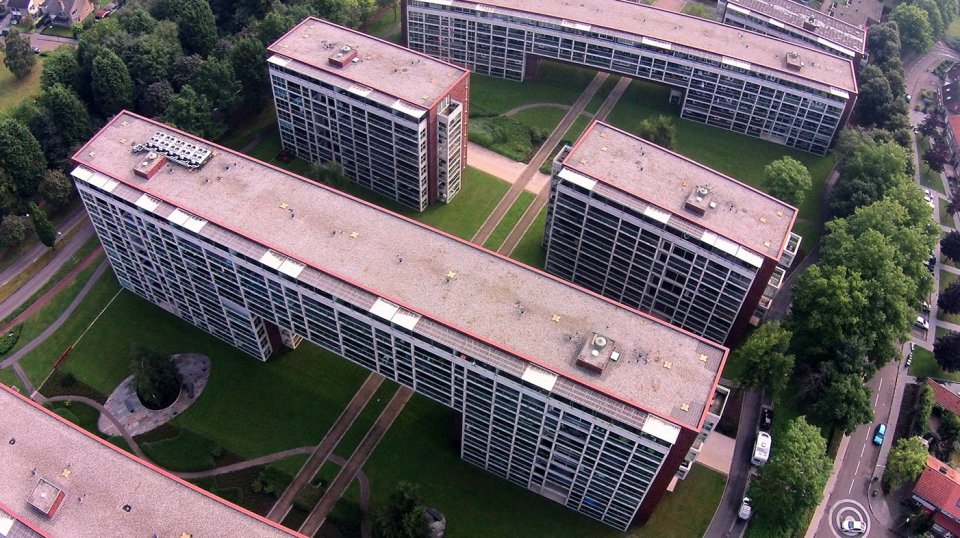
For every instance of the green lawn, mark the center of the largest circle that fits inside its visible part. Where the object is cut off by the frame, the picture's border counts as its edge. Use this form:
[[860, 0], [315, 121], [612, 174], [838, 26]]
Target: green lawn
[[509, 220], [248, 407], [928, 178], [13, 91], [556, 83], [9, 378], [249, 128], [924, 365], [946, 218], [528, 250], [942, 331], [58, 31], [366, 418], [739, 156], [954, 29], [39, 362], [465, 215], [421, 447], [577, 128], [382, 26], [541, 117]]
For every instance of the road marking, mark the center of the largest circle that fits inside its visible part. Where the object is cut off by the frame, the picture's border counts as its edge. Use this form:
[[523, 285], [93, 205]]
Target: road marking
[[855, 471], [881, 385], [851, 487], [862, 451], [876, 401]]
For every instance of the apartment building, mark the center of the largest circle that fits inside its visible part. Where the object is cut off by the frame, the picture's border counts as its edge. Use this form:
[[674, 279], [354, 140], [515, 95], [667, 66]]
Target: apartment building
[[564, 392], [719, 75], [665, 235], [60, 480], [395, 120], [798, 23]]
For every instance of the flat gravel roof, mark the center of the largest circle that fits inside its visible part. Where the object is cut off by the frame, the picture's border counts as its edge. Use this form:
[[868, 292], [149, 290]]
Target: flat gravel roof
[[521, 311], [796, 14], [99, 480], [660, 177], [676, 28], [381, 66]]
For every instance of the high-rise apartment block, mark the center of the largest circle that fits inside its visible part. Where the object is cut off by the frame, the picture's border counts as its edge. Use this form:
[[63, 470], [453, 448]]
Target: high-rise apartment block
[[660, 233], [395, 120], [61, 481], [720, 75], [796, 22], [564, 392]]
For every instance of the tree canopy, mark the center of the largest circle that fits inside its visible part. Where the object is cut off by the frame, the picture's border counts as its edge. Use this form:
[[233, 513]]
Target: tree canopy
[[155, 378], [404, 515], [949, 299], [659, 130], [844, 404], [61, 67], [46, 233], [768, 365], [906, 461], [788, 179], [22, 158], [192, 112], [792, 482], [950, 245], [111, 83], [867, 172], [946, 350], [198, 28], [18, 54], [915, 30]]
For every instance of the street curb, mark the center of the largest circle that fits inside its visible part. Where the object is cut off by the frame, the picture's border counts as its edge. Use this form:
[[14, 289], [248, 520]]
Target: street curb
[[828, 489]]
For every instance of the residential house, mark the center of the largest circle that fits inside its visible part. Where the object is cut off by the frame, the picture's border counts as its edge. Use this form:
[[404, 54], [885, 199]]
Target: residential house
[[66, 12], [938, 492]]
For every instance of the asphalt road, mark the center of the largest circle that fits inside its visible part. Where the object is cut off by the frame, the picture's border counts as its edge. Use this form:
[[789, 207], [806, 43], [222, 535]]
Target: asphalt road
[[63, 254], [725, 522]]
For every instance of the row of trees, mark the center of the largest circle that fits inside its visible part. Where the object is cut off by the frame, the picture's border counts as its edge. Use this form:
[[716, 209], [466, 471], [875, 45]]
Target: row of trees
[[852, 308]]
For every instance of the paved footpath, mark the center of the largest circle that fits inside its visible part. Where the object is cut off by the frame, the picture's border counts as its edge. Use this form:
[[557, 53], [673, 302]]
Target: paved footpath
[[546, 149], [349, 471], [533, 210], [323, 450]]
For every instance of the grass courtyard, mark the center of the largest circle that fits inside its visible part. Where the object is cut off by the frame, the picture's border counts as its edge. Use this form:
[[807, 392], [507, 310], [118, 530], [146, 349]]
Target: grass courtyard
[[13, 91], [925, 365]]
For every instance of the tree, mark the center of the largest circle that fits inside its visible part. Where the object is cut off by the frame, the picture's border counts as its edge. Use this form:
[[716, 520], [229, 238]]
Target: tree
[[867, 172], [906, 461], [56, 188], [873, 106], [216, 80], [698, 10], [46, 233], [192, 112], [947, 351], [768, 364], [925, 402], [404, 515], [155, 98], [19, 57], [13, 228], [22, 157], [68, 112], [345, 12], [660, 130], [111, 84], [915, 30], [949, 429], [930, 125], [950, 245], [788, 179], [136, 21], [933, 16], [844, 405], [153, 55], [883, 42], [937, 155], [198, 28], [183, 69], [247, 59], [949, 299], [61, 67], [791, 483], [155, 378]]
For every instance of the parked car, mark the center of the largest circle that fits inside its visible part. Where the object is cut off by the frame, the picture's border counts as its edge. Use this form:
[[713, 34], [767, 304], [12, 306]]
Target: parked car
[[909, 360], [766, 419], [853, 527], [913, 345], [761, 449], [925, 307], [879, 434], [921, 323], [746, 510]]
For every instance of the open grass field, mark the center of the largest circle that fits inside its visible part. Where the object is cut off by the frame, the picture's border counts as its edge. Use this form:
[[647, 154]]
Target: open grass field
[[509, 220], [59, 31], [739, 156], [556, 83], [9, 378], [542, 117], [385, 24], [594, 105], [13, 91], [421, 447], [528, 250], [924, 365], [248, 407]]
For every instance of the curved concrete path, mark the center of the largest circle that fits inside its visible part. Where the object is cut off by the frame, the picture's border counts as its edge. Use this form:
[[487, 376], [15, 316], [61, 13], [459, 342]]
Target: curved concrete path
[[134, 446], [528, 106]]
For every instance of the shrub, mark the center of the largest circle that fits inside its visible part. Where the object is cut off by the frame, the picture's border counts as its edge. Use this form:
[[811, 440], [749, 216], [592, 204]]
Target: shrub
[[10, 339]]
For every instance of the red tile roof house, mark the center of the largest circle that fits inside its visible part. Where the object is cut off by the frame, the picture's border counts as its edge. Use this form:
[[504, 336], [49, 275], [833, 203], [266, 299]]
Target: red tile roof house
[[943, 397], [67, 12], [938, 492]]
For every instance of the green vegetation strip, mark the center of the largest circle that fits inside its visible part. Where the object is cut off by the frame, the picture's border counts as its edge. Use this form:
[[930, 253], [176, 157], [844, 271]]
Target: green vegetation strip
[[366, 418], [925, 365], [608, 85], [510, 219], [529, 250]]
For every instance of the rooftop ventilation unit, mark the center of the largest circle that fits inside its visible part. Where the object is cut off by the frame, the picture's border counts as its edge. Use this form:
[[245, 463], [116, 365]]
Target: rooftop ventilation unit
[[596, 353], [793, 61], [46, 498], [176, 150], [699, 200], [342, 57], [812, 24]]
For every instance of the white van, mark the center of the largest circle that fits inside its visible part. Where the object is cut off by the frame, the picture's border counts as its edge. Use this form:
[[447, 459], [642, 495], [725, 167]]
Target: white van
[[761, 449]]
